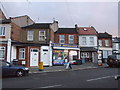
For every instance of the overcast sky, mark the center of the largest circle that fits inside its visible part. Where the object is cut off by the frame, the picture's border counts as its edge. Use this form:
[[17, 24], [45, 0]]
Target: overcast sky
[[102, 15]]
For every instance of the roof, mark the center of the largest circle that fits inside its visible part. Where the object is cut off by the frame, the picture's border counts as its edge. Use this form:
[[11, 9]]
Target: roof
[[19, 16], [92, 49], [87, 31], [66, 31], [5, 21], [104, 35], [38, 25]]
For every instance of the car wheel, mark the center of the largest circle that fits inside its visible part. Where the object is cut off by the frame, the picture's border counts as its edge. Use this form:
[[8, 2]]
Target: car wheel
[[20, 73]]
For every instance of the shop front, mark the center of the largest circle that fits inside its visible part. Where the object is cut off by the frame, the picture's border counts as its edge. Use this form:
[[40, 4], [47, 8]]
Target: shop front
[[89, 54], [63, 53]]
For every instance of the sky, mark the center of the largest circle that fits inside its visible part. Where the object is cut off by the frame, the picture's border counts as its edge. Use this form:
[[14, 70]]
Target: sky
[[102, 15]]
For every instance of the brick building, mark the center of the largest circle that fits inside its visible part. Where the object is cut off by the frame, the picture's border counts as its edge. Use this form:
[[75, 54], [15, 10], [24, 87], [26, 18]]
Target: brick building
[[9, 33], [66, 45], [88, 43], [105, 46], [35, 45]]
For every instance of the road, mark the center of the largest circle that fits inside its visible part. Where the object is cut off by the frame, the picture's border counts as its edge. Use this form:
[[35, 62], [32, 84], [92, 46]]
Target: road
[[91, 78]]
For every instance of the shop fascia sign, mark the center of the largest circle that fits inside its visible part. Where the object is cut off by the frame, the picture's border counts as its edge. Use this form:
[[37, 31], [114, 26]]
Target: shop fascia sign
[[64, 45]]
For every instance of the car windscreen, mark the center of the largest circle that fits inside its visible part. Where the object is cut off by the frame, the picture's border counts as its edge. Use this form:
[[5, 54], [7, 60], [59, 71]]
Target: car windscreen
[[114, 57]]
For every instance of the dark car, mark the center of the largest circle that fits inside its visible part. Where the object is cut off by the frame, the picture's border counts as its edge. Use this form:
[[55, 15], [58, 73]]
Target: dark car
[[113, 60], [10, 69], [117, 77]]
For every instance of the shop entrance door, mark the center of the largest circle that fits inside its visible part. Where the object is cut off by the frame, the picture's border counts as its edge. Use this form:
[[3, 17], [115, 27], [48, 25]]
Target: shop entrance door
[[34, 57]]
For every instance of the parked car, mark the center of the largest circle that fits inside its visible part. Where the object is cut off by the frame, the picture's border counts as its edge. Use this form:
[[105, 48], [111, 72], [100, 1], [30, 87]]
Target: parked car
[[117, 77], [113, 60], [73, 62], [10, 69]]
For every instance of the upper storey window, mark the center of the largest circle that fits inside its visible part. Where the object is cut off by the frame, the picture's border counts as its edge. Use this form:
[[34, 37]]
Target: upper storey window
[[2, 31]]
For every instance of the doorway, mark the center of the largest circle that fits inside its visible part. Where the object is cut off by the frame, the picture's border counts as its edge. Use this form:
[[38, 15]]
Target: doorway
[[34, 57]]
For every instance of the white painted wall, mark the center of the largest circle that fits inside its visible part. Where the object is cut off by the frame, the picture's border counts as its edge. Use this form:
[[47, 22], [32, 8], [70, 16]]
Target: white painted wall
[[105, 48], [13, 53], [88, 40], [9, 50], [45, 58]]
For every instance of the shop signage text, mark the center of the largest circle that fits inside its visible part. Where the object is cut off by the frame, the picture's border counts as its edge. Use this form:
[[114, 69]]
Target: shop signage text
[[64, 45]]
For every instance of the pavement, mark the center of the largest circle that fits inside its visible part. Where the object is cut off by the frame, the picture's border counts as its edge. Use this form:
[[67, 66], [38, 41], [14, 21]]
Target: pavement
[[63, 68]]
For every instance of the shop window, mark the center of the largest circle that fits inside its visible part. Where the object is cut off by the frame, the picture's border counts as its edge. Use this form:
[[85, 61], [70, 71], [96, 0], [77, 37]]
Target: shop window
[[2, 53], [85, 55], [58, 57], [71, 39], [22, 53], [61, 39]]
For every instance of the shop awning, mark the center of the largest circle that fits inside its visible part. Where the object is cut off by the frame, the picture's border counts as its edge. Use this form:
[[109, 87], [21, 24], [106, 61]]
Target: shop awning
[[90, 49]]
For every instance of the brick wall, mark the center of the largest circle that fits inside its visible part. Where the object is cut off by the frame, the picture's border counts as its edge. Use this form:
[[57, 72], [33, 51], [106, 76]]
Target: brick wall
[[2, 16], [16, 32], [66, 38], [103, 42], [27, 55]]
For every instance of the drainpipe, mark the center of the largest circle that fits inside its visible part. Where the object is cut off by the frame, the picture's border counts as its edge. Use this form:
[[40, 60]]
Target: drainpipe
[[9, 50]]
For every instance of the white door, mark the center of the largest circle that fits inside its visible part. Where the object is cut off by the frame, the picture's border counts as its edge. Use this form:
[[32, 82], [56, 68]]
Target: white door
[[45, 57], [34, 57]]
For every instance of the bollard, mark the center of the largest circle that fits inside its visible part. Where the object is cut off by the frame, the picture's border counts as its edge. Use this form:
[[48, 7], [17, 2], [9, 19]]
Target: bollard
[[41, 66]]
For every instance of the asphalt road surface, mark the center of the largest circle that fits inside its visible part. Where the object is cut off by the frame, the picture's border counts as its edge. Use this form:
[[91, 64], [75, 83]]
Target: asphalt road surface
[[91, 78]]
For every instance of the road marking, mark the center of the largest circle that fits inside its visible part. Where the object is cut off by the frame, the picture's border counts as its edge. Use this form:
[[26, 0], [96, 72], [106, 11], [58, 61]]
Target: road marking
[[99, 78], [51, 86]]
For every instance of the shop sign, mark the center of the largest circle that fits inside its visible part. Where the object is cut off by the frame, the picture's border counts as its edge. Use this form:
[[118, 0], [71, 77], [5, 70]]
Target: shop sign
[[64, 45]]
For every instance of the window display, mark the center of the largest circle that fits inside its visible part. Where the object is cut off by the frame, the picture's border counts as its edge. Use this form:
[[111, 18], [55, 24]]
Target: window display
[[58, 57]]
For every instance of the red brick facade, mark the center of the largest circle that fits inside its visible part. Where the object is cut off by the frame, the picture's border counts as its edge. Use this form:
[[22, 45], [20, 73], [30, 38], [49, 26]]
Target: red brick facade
[[5, 45], [16, 32], [103, 42], [27, 55], [66, 38]]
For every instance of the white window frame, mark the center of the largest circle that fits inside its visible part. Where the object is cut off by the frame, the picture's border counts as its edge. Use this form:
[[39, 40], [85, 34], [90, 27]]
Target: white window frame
[[114, 46], [22, 52], [2, 52], [106, 42], [44, 35], [84, 54], [61, 39], [30, 35], [100, 42], [71, 40], [91, 40], [84, 42], [2, 31]]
